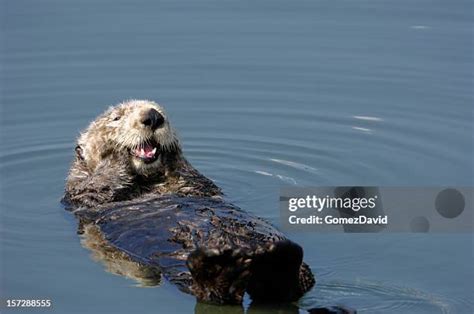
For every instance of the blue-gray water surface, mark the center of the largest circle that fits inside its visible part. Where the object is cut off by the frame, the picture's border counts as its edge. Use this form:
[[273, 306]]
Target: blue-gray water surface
[[264, 94]]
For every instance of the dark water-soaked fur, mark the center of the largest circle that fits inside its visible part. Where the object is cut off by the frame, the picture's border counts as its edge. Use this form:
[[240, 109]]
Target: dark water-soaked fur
[[226, 250], [163, 217]]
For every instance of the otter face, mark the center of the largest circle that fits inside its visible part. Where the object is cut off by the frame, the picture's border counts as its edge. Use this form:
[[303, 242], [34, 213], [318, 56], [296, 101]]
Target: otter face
[[137, 129]]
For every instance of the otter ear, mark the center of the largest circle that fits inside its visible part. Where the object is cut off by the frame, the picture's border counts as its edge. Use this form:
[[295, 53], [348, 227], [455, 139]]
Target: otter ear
[[79, 153]]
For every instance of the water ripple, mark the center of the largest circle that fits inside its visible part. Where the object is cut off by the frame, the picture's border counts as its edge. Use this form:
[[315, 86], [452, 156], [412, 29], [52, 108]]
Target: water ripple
[[378, 297]]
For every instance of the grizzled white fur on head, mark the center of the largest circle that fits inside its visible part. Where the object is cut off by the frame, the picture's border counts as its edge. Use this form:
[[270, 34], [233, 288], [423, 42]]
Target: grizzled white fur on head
[[138, 128]]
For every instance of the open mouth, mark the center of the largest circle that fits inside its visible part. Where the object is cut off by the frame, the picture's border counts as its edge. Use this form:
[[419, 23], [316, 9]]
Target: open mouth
[[147, 152]]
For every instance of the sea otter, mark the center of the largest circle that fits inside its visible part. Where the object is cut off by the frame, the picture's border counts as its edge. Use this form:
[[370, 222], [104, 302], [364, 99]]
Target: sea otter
[[131, 188]]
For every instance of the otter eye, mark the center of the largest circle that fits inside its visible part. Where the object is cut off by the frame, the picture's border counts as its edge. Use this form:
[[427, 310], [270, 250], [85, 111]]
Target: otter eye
[[116, 118]]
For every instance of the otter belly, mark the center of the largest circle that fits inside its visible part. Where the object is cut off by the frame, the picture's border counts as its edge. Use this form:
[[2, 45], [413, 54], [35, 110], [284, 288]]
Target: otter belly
[[204, 245]]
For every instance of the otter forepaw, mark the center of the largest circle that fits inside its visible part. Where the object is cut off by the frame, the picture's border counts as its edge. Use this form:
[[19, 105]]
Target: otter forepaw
[[90, 198]]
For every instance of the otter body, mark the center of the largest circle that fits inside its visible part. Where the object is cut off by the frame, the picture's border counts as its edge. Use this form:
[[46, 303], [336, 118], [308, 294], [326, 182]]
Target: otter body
[[131, 183]]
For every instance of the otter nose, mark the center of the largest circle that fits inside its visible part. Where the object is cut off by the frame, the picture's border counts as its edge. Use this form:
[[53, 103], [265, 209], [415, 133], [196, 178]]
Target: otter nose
[[153, 119]]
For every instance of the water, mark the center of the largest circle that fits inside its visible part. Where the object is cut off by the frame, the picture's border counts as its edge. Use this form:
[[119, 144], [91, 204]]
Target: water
[[264, 94]]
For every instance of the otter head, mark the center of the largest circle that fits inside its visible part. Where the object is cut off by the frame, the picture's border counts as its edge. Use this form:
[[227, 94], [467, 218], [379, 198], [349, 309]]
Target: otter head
[[137, 131]]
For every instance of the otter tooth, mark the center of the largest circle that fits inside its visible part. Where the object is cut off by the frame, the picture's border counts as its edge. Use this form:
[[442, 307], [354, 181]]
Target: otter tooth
[[153, 151]]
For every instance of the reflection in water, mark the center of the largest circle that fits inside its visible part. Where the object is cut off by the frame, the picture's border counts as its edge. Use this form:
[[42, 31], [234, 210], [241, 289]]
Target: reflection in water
[[117, 262], [205, 308], [272, 308], [288, 308]]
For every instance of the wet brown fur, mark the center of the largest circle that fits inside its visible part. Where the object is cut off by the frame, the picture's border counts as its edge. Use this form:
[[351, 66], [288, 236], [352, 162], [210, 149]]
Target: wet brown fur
[[214, 250]]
